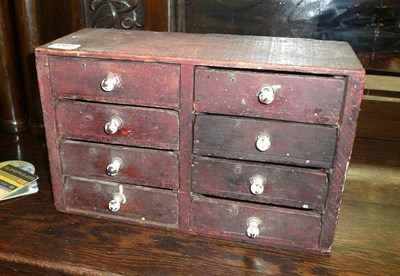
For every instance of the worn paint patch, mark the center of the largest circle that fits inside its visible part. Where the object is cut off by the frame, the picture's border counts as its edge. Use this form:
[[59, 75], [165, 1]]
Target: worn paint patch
[[64, 46]]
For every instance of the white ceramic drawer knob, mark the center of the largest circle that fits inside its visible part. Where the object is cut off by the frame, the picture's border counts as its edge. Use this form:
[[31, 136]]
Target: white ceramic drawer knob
[[253, 230], [113, 125], [114, 167], [263, 142], [110, 82], [115, 204], [266, 94], [257, 184]]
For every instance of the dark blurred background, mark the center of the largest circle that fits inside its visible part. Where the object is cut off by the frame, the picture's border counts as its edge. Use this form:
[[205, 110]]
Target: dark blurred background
[[372, 27]]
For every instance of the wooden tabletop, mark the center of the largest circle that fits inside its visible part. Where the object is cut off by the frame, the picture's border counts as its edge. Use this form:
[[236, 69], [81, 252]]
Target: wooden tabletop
[[35, 238]]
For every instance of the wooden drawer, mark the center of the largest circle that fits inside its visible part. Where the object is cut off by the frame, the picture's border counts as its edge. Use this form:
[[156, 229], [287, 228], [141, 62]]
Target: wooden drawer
[[278, 185], [279, 226], [144, 205], [140, 83], [300, 98], [91, 160], [290, 143], [144, 127]]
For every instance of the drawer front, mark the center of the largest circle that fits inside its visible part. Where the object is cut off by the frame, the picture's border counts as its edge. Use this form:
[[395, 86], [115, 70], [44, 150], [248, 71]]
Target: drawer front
[[137, 165], [290, 143], [278, 185], [144, 127], [138, 83], [295, 98], [278, 226], [144, 205]]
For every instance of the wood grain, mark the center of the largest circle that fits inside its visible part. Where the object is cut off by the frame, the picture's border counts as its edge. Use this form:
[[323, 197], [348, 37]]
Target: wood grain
[[143, 205], [339, 169], [30, 34], [284, 185], [143, 127], [13, 115], [324, 145], [53, 243], [371, 183], [81, 78], [186, 118], [90, 160], [51, 129], [156, 15], [297, 98], [38, 22], [269, 53], [235, 137], [379, 120], [279, 226]]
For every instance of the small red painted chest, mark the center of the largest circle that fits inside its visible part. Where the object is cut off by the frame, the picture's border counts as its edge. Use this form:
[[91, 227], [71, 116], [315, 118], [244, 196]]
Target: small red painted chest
[[237, 137]]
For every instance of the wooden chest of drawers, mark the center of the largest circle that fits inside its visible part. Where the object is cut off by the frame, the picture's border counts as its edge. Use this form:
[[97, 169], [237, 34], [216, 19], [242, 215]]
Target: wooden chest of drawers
[[237, 137]]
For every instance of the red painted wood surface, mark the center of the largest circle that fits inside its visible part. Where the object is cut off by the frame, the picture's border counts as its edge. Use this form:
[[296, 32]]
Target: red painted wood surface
[[185, 144], [300, 98], [49, 119], [279, 226], [81, 78], [145, 127], [315, 148], [36, 238], [291, 143], [288, 186], [140, 166], [342, 159], [143, 205]]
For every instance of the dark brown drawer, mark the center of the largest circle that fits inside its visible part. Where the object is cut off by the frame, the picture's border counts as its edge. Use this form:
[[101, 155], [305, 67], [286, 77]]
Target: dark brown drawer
[[298, 98], [139, 83], [290, 143], [278, 185], [279, 226], [139, 166], [144, 205], [144, 127]]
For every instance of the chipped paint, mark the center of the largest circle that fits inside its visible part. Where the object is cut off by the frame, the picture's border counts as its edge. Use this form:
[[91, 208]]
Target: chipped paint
[[64, 46]]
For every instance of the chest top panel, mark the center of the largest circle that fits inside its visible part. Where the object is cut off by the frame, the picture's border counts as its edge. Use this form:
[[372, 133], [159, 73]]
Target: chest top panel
[[251, 52]]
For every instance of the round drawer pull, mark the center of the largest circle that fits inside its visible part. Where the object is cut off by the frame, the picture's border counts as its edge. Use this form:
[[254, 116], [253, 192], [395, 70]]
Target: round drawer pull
[[110, 82], [113, 125], [263, 142], [114, 167], [252, 230], [115, 204], [266, 94], [257, 184]]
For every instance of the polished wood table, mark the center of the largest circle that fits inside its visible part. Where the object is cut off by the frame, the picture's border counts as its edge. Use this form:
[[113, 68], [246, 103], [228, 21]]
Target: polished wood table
[[36, 239]]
